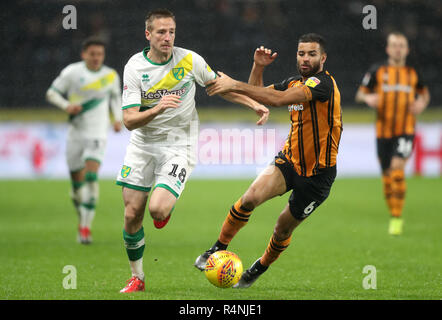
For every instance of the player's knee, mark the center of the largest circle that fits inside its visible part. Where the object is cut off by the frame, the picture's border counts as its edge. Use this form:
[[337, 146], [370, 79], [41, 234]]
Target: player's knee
[[75, 195], [159, 211], [133, 212], [251, 198], [131, 220], [397, 165]]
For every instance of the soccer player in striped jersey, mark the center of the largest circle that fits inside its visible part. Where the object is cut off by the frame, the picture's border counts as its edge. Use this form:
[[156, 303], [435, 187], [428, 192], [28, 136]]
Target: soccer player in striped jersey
[[159, 108], [86, 90], [398, 94], [307, 163]]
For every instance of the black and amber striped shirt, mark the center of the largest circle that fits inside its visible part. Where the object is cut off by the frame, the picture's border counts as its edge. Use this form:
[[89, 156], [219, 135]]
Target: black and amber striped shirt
[[316, 125], [397, 88]]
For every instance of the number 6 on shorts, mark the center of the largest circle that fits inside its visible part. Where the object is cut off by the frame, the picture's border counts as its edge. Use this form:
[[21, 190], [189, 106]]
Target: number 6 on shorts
[[309, 209]]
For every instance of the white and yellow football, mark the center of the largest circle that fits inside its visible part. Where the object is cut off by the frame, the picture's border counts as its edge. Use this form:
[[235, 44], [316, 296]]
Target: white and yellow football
[[223, 269]]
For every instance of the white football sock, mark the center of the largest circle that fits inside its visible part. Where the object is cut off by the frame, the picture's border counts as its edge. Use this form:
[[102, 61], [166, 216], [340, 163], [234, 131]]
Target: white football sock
[[137, 268]]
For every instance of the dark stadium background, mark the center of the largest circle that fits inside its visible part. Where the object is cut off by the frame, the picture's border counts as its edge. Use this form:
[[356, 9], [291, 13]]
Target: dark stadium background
[[35, 47], [329, 252]]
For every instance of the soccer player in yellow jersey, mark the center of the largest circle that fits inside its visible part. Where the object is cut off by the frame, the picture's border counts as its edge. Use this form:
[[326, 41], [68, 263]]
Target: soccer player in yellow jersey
[[307, 163], [159, 108], [398, 94], [86, 90]]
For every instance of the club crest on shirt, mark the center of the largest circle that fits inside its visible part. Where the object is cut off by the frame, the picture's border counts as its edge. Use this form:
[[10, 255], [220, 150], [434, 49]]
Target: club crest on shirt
[[178, 73]]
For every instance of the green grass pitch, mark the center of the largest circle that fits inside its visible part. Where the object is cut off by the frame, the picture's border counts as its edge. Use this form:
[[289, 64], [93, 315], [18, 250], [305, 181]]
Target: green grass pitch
[[324, 261]]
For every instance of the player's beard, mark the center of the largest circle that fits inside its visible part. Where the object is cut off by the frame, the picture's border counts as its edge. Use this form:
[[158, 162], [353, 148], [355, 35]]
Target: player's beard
[[314, 70]]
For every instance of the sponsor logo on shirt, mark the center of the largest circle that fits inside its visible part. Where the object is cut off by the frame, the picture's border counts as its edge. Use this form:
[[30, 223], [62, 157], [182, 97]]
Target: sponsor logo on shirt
[[161, 93], [296, 107], [396, 87], [145, 78]]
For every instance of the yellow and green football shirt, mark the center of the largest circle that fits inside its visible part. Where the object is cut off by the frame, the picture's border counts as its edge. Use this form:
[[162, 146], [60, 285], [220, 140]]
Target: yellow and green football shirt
[[146, 82], [96, 91]]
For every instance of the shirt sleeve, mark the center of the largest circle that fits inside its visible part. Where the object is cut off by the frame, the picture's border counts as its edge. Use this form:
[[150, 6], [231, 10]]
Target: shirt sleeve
[[369, 80], [62, 83], [56, 99], [282, 86], [201, 70], [131, 88], [420, 85], [320, 86], [115, 99]]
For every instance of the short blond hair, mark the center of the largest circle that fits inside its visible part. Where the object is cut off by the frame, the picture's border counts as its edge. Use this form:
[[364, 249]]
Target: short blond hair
[[156, 14]]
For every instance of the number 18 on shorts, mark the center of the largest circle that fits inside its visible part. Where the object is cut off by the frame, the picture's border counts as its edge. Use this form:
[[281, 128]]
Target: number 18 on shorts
[[146, 168]]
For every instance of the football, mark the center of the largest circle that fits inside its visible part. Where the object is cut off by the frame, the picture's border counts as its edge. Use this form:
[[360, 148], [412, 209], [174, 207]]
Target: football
[[223, 269]]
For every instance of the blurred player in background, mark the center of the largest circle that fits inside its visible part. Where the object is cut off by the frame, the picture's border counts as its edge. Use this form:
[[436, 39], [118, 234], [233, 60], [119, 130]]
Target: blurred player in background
[[159, 106], [307, 163], [85, 90], [398, 94]]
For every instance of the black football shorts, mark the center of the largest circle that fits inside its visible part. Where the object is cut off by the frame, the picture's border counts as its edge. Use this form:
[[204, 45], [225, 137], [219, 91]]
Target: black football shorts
[[401, 146], [307, 192]]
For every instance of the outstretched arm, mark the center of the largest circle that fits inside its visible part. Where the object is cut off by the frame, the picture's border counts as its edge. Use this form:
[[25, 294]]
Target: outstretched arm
[[266, 96], [260, 110], [261, 59]]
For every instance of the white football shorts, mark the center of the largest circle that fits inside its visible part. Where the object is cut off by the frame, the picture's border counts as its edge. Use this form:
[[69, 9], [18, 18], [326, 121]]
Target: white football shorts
[[153, 166], [80, 150]]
